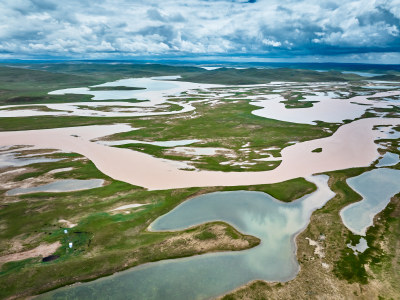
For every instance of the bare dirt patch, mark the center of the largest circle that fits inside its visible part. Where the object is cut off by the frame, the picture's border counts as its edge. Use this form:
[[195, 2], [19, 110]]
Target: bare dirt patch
[[218, 239], [42, 250], [67, 223]]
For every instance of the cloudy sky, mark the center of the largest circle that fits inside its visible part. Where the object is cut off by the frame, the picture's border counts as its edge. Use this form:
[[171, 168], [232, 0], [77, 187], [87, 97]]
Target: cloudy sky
[[270, 30]]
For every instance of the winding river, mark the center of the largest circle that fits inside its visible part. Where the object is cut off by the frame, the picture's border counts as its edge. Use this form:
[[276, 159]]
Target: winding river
[[352, 145]]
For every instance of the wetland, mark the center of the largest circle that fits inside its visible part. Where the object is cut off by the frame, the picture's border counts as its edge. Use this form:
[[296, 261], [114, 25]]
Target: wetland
[[144, 171]]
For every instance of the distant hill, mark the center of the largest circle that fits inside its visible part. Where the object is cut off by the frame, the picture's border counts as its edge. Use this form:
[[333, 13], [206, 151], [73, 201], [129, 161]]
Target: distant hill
[[386, 78], [31, 82], [109, 71], [114, 71], [23, 86], [257, 76], [16, 75]]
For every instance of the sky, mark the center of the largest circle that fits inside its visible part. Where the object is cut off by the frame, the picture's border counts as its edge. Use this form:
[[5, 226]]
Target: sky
[[251, 30]]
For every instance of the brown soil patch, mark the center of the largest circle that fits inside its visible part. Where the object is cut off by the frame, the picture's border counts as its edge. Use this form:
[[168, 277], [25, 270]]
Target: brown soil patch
[[41, 250], [189, 241]]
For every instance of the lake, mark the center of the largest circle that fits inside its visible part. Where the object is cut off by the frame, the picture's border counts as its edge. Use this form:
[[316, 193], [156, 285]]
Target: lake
[[201, 277], [376, 187]]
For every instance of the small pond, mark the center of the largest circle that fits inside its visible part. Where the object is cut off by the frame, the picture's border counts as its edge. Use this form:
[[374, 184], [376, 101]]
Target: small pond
[[388, 159], [67, 185], [12, 160], [376, 187]]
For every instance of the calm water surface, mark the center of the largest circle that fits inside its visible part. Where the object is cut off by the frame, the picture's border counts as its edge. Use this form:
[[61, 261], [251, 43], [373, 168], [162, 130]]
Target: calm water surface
[[67, 185], [376, 187], [205, 276], [12, 160], [388, 159]]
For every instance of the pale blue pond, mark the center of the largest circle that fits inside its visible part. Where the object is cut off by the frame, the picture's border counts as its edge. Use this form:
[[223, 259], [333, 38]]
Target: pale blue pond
[[67, 185], [11, 160], [206, 276], [365, 74], [381, 87], [388, 159], [360, 247], [376, 187]]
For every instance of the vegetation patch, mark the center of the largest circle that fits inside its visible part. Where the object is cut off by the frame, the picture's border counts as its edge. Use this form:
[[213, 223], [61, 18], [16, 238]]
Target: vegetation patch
[[115, 88], [317, 150], [206, 235], [296, 100]]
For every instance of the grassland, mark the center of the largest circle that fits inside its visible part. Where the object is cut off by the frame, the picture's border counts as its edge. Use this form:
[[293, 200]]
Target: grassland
[[23, 86], [227, 125]]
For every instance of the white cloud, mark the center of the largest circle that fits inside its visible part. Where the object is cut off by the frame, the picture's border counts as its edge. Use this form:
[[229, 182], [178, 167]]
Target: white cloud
[[271, 43], [312, 27], [393, 30]]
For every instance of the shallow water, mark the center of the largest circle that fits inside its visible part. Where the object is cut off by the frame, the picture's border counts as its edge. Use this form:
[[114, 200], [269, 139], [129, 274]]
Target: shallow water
[[381, 87], [388, 159], [204, 276], [376, 187], [153, 173], [328, 109], [160, 89], [157, 89], [364, 74], [11, 160], [89, 109], [156, 143], [149, 84], [360, 247], [67, 185]]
